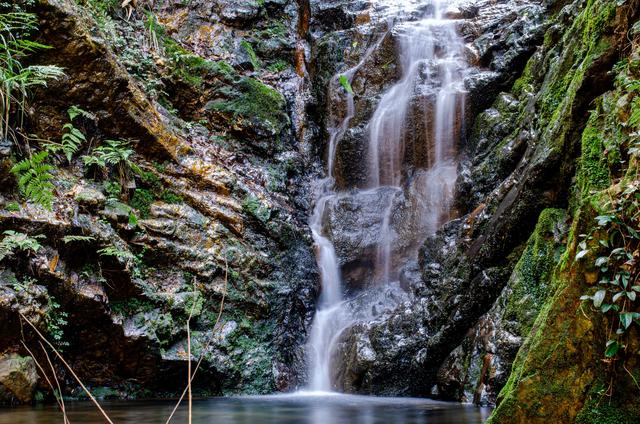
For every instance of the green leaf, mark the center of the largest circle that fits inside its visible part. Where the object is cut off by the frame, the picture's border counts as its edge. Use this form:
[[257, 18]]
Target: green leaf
[[344, 82], [612, 349], [581, 254], [602, 260], [604, 219], [631, 295], [626, 318], [606, 308], [598, 298]]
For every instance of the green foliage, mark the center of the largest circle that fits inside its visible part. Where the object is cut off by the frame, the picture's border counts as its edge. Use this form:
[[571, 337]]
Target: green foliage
[[251, 54], [171, 198], [634, 117], [16, 80], [55, 320], [249, 99], [616, 242], [255, 208], [12, 207], [278, 66], [70, 239], [344, 82], [142, 200], [613, 246], [113, 189], [34, 179], [72, 137], [132, 306], [115, 252], [114, 154], [14, 241]]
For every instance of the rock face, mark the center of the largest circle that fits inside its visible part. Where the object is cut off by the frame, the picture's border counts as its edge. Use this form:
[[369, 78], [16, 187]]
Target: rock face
[[205, 223], [480, 292], [18, 379]]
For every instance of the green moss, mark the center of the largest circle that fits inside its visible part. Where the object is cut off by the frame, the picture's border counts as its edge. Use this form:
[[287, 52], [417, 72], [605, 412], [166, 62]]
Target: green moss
[[255, 208], [600, 409], [12, 207], [593, 172], [253, 58], [142, 200], [531, 277], [132, 306], [171, 197], [253, 99]]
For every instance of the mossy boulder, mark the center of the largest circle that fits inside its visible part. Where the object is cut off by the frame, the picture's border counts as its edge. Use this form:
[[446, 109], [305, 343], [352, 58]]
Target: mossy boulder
[[18, 379]]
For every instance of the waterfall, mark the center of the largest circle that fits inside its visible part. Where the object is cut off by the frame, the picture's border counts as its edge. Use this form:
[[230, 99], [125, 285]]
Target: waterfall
[[431, 59]]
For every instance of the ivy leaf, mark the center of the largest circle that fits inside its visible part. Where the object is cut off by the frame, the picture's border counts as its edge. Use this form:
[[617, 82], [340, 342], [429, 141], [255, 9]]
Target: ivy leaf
[[581, 254], [606, 308], [626, 318], [604, 219], [631, 295], [612, 348], [602, 260], [598, 298], [633, 232], [617, 296], [618, 252], [635, 288]]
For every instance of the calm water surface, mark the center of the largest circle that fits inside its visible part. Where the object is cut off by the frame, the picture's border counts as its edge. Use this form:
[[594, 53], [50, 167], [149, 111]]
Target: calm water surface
[[280, 409]]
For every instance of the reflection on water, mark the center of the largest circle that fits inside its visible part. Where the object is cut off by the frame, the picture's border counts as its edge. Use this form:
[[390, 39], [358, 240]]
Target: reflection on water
[[280, 409]]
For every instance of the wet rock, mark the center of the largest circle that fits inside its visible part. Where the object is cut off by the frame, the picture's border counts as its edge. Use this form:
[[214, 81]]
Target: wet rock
[[117, 211], [238, 11], [18, 379], [89, 198]]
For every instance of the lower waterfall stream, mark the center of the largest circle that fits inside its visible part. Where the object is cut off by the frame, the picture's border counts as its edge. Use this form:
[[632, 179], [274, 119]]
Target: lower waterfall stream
[[431, 59]]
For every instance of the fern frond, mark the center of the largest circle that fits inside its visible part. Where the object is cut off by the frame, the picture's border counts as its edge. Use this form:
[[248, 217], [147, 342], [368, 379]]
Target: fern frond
[[34, 179], [69, 239], [634, 118], [75, 111]]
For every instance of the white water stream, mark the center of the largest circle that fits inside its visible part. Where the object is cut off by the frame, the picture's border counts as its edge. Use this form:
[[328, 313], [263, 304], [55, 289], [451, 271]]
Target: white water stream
[[431, 58]]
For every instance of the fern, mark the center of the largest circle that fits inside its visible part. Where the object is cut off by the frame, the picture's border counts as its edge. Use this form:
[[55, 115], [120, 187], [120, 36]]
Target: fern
[[121, 255], [75, 111], [34, 179], [72, 137], [15, 78], [634, 118], [69, 239], [114, 153], [18, 241]]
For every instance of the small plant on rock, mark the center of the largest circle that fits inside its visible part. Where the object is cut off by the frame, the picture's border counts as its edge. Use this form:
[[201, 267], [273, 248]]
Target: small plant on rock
[[72, 137], [16, 79], [34, 179], [114, 154], [14, 241]]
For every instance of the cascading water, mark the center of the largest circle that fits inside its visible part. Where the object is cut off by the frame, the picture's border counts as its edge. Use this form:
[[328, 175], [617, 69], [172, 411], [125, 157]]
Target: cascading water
[[431, 60]]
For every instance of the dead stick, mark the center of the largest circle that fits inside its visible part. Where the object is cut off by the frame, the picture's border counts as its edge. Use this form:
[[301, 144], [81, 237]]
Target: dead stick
[[68, 367], [206, 347], [46, 377], [55, 377]]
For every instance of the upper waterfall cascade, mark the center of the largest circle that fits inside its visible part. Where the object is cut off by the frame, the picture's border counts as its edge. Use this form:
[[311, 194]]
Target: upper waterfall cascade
[[432, 67]]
